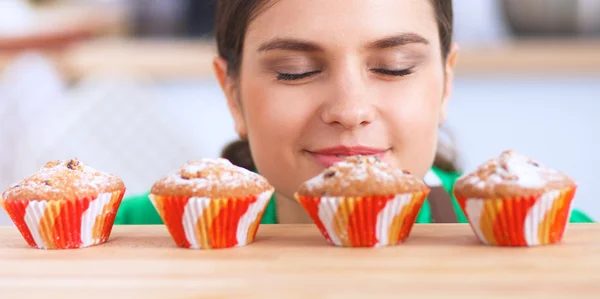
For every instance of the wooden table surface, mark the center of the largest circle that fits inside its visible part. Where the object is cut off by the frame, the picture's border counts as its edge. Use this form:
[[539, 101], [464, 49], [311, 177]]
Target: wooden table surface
[[294, 261]]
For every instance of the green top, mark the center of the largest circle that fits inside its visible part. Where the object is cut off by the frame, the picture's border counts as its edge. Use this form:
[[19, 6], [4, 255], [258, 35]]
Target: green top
[[139, 210]]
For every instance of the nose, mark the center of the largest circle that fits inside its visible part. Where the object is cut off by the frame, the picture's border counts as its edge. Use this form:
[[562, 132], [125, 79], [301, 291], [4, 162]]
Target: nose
[[348, 104]]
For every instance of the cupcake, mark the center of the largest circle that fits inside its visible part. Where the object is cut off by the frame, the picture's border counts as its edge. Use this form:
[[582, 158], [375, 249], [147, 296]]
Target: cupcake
[[65, 204], [363, 202], [211, 203], [513, 200]]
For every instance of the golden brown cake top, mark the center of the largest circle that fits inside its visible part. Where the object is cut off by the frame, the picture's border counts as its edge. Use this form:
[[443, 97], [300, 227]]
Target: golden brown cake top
[[211, 178], [70, 179], [361, 176], [511, 175]]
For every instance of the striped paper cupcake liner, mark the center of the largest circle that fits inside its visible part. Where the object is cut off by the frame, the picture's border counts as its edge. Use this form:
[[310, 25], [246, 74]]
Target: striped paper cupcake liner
[[211, 223], [65, 224], [375, 221], [524, 221]]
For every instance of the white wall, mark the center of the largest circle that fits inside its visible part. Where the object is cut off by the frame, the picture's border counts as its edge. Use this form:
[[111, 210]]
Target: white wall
[[550, 119]]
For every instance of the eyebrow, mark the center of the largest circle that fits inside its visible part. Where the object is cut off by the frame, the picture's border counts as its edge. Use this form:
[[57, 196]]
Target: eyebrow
[[398, 40], [289, 44]]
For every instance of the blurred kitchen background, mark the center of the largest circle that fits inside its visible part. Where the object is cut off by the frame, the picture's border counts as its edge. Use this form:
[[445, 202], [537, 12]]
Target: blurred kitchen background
[[127, 86]]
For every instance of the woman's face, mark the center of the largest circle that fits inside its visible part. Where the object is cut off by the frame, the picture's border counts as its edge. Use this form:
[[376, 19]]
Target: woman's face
[[320, 80]]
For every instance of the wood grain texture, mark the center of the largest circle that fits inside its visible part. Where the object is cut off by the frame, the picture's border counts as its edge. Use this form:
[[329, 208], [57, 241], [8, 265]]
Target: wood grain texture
[[294, 261]]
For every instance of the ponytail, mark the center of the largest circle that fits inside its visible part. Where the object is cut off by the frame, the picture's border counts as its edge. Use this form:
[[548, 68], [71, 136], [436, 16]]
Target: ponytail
[[238, 153], [446, 155]]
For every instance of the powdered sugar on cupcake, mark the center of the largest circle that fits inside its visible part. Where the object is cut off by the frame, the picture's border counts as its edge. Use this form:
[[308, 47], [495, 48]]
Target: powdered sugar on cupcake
[[513, 168], [63, 179], [364, 174], [210, 176]]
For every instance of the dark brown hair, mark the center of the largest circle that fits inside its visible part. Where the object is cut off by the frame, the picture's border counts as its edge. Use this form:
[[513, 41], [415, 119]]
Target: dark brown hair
[[232, 19]]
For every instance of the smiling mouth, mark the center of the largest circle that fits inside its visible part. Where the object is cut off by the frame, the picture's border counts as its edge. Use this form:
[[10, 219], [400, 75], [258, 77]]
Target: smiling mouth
[[329, 156]]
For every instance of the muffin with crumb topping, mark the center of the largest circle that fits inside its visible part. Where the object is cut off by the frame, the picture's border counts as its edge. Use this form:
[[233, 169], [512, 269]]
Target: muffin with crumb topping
[[363, 202], [513, 200], [211, 203], [65, 204]]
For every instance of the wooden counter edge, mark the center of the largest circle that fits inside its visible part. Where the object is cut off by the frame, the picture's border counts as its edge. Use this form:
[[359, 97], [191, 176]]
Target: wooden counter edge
[[172, 59]]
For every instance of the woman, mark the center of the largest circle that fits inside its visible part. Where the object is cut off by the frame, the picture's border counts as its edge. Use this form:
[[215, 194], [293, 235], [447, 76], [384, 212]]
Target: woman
[[311, 81]]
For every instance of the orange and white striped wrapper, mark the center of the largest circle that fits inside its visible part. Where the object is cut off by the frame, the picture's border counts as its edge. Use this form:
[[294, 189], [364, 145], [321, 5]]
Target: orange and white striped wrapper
[[65, 224], [374, 221], [524, 221], [212, 223]]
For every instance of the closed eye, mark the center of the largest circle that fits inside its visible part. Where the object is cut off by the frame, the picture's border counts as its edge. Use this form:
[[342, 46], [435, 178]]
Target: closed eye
[[293, 77], [396, 73]]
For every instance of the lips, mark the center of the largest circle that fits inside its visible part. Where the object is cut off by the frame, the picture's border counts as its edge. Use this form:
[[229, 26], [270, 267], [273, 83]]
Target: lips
[[328, 156]]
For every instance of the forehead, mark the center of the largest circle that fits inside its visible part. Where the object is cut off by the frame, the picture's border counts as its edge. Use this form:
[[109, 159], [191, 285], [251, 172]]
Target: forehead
[[342, 22]]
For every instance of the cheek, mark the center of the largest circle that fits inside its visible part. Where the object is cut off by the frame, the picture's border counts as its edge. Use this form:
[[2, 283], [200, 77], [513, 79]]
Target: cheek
[[275, 113], [413, 118], [276, 118]]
